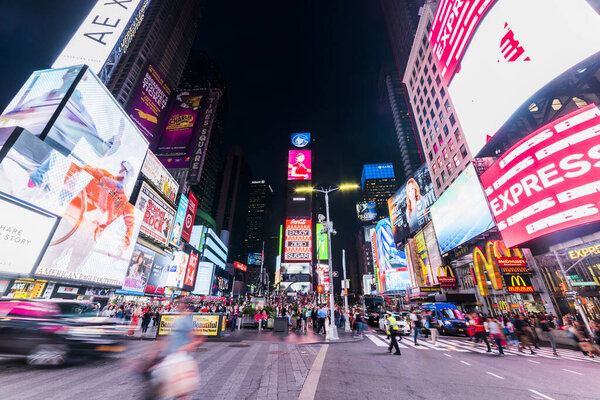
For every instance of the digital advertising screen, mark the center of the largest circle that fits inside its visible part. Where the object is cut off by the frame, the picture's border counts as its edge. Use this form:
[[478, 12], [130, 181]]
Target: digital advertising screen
[[548, 181], [204, 277], [298, 240], [158, 215], [176, 269], [433, 250], [158, 274], [300, 139], [322, 243], [409, 206], [240, 266], [24, 235], [254, 258], [190, 273], [177, 136], [159, 176], [179, 220], [366, 212], [190, 216], [461, 212], [424, 267], [506, 60], [295, 268], [98, 35], [299, 165], [148, 103], [323, 276], [397, 280], [139, 269]]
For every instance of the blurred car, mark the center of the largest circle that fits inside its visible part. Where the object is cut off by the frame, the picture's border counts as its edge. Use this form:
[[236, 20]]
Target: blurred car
[[450, 321], [401, 320], [50, 332]]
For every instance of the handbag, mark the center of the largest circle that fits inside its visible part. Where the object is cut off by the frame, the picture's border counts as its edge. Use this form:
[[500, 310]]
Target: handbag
[[177, 375]]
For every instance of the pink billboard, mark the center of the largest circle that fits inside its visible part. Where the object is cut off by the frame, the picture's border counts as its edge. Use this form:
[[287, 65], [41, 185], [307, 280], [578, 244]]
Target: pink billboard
[[453, 25], [299, 165], [548, 181]]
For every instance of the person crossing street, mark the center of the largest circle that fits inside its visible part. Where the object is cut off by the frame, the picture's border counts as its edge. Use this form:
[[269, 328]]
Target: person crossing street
[[393, 332]]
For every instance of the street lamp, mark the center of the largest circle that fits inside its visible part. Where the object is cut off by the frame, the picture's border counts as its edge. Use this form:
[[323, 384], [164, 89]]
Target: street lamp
[[332, 334]]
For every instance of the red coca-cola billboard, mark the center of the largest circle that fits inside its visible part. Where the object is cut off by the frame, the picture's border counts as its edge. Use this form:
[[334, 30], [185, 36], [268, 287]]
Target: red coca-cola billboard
[[548, 181]]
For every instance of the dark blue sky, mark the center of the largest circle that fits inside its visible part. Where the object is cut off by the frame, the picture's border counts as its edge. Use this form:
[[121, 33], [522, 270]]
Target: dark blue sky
[[301, 65]]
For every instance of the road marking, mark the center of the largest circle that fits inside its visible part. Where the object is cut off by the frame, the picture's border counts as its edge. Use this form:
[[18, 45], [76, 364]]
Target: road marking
[[378, 342], [399, 342], [419, 347], [497, 376], [464, 362], [541, 394], [573, 372], [535, 362], [447, 355], [309, 389]]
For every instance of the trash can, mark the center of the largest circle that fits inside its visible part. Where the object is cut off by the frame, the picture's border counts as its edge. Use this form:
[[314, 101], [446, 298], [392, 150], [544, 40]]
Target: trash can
[[281, 325]]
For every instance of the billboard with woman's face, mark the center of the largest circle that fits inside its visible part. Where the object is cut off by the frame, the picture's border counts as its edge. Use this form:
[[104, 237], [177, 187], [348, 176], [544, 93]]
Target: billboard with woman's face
[[299, 165], [409, 206]]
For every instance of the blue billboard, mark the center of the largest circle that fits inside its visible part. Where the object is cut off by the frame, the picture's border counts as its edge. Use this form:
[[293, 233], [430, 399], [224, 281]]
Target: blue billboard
[[377, 171], [179, 218], [462, 212], [300, 139], [366, 212]]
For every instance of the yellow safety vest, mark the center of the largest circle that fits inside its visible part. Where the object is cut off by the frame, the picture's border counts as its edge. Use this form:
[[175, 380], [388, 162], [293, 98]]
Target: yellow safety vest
[[392, 322]]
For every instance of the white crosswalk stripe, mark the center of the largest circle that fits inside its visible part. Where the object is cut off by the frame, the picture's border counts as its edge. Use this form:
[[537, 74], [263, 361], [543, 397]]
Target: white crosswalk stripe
[[387, 341]]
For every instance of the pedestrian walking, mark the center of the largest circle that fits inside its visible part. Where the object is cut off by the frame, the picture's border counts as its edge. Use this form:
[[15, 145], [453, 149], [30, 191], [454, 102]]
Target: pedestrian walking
[[416, 325], [146, 318], [432, 326], [480, 332], [393, 333], [321, 314], [548, 327], [234, 317], [497, 334]]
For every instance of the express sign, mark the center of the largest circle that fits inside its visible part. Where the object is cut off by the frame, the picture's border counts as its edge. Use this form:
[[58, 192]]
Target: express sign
[[549, 180], [454, 23]]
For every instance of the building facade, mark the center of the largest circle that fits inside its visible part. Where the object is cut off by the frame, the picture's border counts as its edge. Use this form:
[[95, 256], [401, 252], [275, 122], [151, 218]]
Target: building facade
[[378, 184], [439, 130], [258, 216]]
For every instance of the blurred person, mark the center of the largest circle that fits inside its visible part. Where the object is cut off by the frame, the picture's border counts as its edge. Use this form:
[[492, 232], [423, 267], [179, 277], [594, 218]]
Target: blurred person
[[415, 325], [393, 333], [496, 334], [146, 318], [432, 326], [480, 332], [521, 326], [547, 326]]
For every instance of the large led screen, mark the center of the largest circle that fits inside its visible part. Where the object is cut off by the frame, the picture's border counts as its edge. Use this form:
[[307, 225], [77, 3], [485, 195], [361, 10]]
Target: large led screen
[[295, 268], [549, 180], [298, 240], [366, 212], [158, 274], [507, 60], [204, 278], [299, 165], [462, 212], [139, 269], [322, 243], [159, 176], [409, 206], [176, 269], [158, 215], [177, 135], [179, 220], [24, 234]]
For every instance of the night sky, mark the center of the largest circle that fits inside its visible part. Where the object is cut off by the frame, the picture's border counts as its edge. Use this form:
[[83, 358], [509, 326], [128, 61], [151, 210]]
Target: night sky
[[302, 65]]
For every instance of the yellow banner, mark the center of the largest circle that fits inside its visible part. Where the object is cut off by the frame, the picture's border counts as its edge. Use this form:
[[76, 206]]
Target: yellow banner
[[205, 325]]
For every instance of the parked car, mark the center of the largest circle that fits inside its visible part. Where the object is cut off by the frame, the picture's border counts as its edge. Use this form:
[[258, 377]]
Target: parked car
[[401, 320], [50, 332], [450, 319]]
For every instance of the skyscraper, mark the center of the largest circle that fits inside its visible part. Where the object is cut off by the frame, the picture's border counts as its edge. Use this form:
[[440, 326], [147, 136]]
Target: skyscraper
[[258, 216], [378, 184], [439, 129], [233, 203], [164, 38], [410, 148]]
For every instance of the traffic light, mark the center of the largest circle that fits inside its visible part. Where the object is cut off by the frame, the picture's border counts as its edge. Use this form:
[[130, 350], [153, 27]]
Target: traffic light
[[563, 286], [320, 289]]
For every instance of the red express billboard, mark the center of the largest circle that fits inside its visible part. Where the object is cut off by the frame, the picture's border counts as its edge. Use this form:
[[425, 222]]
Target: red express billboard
[[453, 25], [298, 240], [148, 104], [548, 181]]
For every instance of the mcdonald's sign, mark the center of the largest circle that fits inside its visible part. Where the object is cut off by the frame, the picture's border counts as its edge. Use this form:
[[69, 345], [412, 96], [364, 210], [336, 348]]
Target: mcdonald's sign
[[518, 283], [487, 263], [446, 276]]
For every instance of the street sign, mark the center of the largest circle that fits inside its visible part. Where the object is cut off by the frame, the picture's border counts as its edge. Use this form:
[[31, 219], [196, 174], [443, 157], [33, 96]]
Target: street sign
[[570, 293], [345, 283], [582, 283]]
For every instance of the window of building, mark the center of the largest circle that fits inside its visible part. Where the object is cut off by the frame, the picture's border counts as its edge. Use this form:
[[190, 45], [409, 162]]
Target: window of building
[[426, 70], [439, 161], [446, 130], [424, 40], [443, 92], [443, 175], [457, 135], [421, 52], [418, 109], [445, 153], [421, 121], [431, 134], [441, 115], [451, 144], [426, 142], [436, 125], [435, 148], [428, 102], [429, 80], [437, 106], [449, 168], [433, 92], [430, 156], [425, 91], [438, 80], [452, 119], [434, 168], [456, 160], [428, 123], [447, 105], [437, 182], [463, 151], [418, 90], [411, 83], [434, 68], [431, 114]]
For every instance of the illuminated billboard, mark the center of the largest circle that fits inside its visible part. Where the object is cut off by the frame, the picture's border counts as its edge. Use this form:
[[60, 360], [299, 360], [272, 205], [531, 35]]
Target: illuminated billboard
[[295, 268], [177, 135], [298, 240], [159, 176], [138, 270], [507, 60], [157, 215], [323, 276], [190, 216], [322, 243], [301, 139], [299, 165], [179, 220], [147, 106], [254, 258], [72, 111], [158, 274], [409, 206], [366, 212], [24, 234], [461, 212], [176, 269], [189, 280], [548, 181], [98, 35]]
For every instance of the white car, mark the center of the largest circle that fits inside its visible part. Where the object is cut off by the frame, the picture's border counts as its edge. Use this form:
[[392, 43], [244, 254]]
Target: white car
[[401, 320]]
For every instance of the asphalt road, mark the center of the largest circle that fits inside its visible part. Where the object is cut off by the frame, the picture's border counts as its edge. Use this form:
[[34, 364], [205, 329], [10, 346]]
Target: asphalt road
[[251, 366]]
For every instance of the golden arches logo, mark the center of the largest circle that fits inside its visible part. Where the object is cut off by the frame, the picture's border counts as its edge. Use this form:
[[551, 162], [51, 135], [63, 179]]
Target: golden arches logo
[[517, 280], [486, 263], [445, 270]]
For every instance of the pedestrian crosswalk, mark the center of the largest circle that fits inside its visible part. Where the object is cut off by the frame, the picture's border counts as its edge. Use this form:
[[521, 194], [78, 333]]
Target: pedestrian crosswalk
[[463, 345]]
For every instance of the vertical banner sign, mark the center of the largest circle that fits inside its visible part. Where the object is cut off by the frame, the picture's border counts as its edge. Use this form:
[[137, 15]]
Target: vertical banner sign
[[190, 273], [148, 104], [205, 129], [322, 246], [190, 215], [176, 138], [298, 240], [179, 221]]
